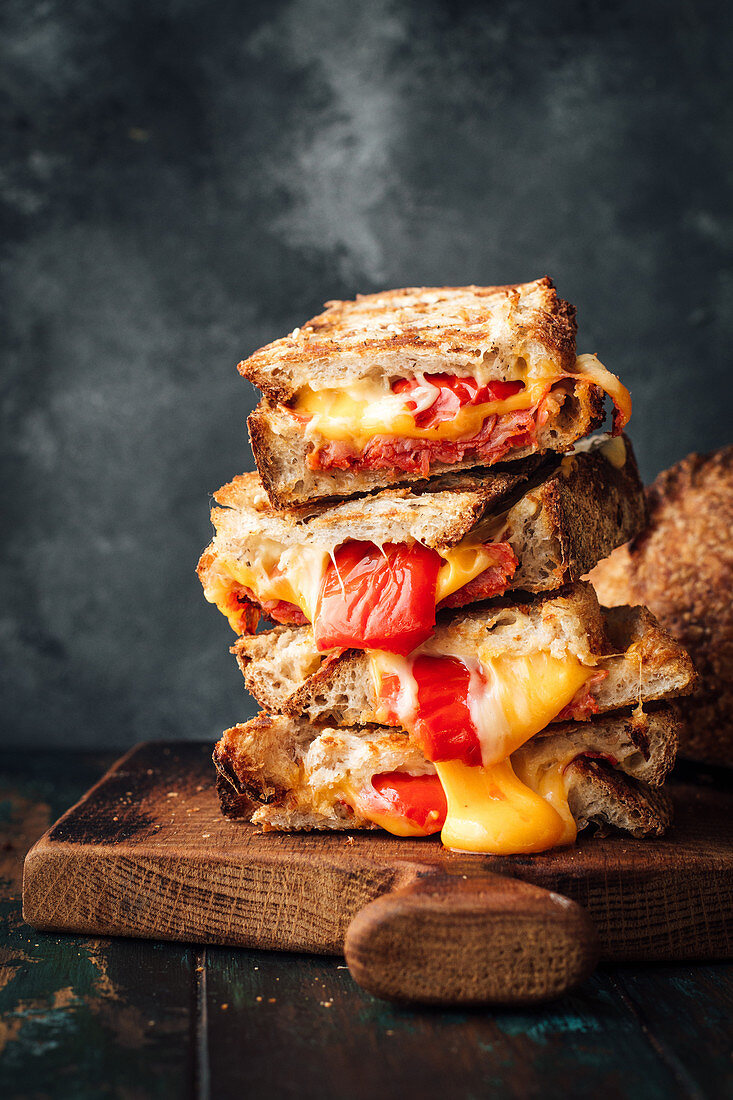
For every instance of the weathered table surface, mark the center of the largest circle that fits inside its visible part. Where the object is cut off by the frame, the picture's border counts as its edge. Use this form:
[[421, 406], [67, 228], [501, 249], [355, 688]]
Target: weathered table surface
[[88, 1018]]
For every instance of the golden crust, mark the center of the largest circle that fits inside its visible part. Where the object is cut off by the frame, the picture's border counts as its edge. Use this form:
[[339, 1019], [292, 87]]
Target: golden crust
[[681, 567], [448, 507], [456, 322], [602, 796]]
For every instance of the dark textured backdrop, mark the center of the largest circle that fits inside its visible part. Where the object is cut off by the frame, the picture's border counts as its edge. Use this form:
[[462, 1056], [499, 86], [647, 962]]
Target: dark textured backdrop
[[183, 181]]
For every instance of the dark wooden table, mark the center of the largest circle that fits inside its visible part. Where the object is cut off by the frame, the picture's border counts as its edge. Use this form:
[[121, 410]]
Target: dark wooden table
[[85, 1018]]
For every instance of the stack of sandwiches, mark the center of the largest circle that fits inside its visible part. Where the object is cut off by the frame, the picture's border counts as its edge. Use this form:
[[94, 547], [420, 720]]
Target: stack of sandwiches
[[426, 505]]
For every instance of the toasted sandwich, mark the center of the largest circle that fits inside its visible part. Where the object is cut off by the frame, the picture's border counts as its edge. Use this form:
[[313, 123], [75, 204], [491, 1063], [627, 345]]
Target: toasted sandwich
[[398, 386], [371, 572], [286, 774], [476, 708], [682, 567]]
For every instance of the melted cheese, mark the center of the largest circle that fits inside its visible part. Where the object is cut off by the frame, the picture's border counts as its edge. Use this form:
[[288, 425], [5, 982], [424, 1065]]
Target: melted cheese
[[547, 779], [511, 698], [218, 590], [274, 573], [490, 810], [589, 367], [515, 697], [384, 664], [295, 575], [461, 565], [358, 412]]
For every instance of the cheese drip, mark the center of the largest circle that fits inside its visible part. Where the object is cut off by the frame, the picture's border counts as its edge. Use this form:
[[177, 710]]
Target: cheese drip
[[510, 698], [491, 810], [547, 779]]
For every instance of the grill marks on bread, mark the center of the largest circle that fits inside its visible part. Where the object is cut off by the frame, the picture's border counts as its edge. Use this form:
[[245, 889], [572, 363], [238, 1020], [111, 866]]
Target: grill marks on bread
[[417, 328]]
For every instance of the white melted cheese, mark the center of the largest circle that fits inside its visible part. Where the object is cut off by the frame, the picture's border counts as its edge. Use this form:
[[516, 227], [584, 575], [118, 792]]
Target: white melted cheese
[[384, 664]]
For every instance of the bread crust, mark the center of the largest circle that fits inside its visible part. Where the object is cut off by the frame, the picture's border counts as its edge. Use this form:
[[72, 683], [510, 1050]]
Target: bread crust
[[281, 452], [643, 742], [423, 328], [438, 513], [590, 502], [601, 796], [681, 566]]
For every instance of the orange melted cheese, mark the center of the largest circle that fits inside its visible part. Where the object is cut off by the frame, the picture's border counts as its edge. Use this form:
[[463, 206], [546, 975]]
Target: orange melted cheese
[[361, 411], [490, 808], [358, 412]]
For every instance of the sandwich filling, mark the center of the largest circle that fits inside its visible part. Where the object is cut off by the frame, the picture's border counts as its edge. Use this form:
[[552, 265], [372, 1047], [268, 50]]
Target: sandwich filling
[[413, 424], [523, 800], [360, 596], [470, 716]]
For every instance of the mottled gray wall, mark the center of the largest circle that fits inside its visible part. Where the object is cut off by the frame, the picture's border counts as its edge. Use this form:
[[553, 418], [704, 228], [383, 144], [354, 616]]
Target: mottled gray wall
[[183, 181]]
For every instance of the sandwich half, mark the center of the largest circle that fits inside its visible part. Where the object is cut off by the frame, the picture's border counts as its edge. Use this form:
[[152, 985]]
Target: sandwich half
[[406, 384], [371, 572], [476, 705], [286, 774], [634, 662]]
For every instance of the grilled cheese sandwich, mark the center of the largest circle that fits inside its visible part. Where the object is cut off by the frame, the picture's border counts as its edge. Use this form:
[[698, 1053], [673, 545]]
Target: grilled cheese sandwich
[[491, 533]]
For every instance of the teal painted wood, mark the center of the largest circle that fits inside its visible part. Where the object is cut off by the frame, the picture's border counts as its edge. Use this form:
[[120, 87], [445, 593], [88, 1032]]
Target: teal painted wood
[[302, 1028], [83, 1019], [688, 1013]]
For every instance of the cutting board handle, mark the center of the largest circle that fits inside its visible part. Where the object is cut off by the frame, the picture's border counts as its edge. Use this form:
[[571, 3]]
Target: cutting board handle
[[458, 940]]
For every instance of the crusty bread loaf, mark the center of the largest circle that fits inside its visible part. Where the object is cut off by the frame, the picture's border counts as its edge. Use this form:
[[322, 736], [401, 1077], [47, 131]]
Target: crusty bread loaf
[[284, 672], [281, 451], [682, 567], [568, 515], [285, 774], [473, 330]]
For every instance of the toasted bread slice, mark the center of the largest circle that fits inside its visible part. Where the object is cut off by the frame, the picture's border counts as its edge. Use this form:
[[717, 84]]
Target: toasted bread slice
[[558, 522], [285, 774], [682, 567], [285, 673], [463, 330], [281, 451]]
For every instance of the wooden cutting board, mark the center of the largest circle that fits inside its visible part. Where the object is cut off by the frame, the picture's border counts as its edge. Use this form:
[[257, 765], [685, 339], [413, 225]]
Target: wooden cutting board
[[146, 853]]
